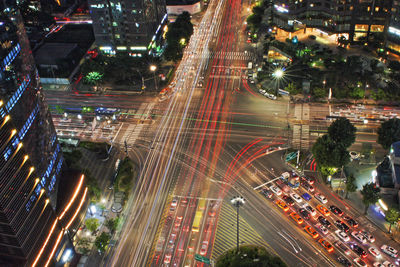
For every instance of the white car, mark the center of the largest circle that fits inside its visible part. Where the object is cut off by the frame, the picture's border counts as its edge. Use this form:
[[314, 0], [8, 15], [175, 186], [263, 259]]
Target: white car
[[360, 237], [342, 235], [388, 264], [322, 228], [368, 236], [360, 262], [389, 250], [321, 198], [296, 197], [276, 190], [374, 252], [310, 209]]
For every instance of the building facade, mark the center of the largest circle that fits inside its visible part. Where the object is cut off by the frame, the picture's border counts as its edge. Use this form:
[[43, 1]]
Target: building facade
[[31, 159], [133, 26], [393, 30], [353, 19]]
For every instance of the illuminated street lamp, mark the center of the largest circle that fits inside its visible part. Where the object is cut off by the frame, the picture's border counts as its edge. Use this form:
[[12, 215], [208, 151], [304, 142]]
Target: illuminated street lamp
[[278, 75], [237, 202], [153, 69]]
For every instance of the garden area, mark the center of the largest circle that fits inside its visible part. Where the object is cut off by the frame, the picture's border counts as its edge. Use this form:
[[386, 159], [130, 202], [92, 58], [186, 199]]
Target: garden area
[[249, 255]]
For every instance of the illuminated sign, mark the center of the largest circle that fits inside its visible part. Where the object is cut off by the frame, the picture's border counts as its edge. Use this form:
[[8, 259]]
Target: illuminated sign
[[281, 9], [138, 48], [394, 30]]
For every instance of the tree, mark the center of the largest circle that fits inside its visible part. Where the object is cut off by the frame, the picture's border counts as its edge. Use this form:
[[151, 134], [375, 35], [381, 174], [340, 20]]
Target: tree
[[392, 216], [112, 224], [350, 184], [249, 256], [102, 241], [92, 224], [330, 155], [343, 132], [370, 195], [389, 132]]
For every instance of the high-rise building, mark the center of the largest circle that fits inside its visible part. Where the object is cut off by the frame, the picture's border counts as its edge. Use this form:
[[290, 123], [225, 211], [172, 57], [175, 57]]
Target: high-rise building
[[31, 160], [353, 19], [393, 29], [133, 26]]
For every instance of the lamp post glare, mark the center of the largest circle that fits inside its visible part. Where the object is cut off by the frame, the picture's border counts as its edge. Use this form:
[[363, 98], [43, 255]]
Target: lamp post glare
[[237, 202], [278, 73], [153, 69]]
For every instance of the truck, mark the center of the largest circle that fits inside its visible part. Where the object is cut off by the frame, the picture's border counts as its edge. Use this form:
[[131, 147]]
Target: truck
[[250, 65], [291, 180]]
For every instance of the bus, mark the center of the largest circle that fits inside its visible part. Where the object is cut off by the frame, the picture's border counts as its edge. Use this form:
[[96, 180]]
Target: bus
[[197, 220]]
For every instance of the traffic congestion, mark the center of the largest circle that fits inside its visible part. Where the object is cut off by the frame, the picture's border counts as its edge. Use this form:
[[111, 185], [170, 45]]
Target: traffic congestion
[[338, 234]]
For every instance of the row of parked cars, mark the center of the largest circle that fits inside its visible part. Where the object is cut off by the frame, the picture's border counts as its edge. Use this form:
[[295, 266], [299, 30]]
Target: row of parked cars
[[343, 223], [265, 93]]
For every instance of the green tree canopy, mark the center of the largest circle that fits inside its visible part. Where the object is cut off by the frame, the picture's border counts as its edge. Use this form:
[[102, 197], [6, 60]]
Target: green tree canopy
[[252, 256], [389, 132], [392, 216], [329, 154], [350, 184], [102, 241], [92, 224], [341, 131], [370, 195], [112, 224]]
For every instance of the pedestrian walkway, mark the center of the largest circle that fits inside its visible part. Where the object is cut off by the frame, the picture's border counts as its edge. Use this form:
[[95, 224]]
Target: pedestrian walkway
[[245, 56], [225, 237]]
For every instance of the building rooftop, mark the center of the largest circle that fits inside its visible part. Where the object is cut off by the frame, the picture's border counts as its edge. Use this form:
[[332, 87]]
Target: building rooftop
[[51, 53]]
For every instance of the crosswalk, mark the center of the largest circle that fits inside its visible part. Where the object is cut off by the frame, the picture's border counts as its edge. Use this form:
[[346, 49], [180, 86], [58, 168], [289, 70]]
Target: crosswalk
[[133, 131], [301, 127], [225, 237], [232, 55]]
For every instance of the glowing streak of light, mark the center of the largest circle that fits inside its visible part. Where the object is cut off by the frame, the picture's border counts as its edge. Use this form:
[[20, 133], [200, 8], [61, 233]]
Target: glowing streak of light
[[77, 189], [54, 248], [78, 209]]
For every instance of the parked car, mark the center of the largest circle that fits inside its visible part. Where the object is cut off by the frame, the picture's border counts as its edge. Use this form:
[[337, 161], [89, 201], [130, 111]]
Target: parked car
[[368, 236], [359, 237], [389, 250], [321, 198], [359, 250], [342, 235], [276, 190], [344, 261], [324, 221], [296, 197], [336, 210], [306, 196], [350, 221], [374, 252]]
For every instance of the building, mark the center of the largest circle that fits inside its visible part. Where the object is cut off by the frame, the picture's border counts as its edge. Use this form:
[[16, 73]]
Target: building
[[31, 161], [177, 7], [353, 19], [133, 26], [393, 30]]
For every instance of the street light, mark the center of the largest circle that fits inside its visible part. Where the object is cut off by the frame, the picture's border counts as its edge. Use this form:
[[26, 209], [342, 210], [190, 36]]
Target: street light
[[278, 75], [153, 69], [237, 202]]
